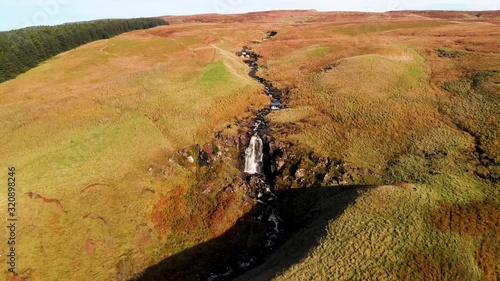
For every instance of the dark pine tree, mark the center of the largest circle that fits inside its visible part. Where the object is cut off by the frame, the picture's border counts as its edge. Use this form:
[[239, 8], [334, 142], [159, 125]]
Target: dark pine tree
[[23, 49]]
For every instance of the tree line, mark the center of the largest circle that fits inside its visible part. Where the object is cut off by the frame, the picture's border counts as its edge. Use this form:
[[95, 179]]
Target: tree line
[[23, 49]]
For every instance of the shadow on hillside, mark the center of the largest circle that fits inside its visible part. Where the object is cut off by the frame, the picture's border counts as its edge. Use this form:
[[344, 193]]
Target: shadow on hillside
[[304, 213]]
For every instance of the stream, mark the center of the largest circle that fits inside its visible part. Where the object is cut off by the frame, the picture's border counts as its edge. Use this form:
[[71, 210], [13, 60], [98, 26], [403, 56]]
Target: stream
[[273, 210], [258, 177]]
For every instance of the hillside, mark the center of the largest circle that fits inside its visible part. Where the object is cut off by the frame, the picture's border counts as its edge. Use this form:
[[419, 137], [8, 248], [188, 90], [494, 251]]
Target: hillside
[[25, 48], [91, 132], [383, 156], [412, 102]]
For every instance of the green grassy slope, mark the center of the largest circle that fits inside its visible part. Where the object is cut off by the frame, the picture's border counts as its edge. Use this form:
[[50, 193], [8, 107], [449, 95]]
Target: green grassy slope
[[91, 132]]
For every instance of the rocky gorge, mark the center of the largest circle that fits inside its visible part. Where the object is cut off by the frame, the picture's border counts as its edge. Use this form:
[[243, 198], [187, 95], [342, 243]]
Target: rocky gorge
[[271, 174]]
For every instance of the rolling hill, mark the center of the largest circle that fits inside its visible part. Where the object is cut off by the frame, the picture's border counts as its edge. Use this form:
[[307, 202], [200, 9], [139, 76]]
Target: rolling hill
[[384, 157]]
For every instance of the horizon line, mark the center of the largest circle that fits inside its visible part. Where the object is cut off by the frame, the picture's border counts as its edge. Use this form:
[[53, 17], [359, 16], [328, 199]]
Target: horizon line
[[263, 11]]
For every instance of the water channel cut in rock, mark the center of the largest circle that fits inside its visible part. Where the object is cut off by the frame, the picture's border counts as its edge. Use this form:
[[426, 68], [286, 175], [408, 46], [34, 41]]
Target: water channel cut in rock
[[257, 173]]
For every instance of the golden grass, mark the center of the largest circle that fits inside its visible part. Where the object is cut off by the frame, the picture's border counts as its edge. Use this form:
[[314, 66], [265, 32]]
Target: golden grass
[[365, 93], [97, 130], [84, 127]]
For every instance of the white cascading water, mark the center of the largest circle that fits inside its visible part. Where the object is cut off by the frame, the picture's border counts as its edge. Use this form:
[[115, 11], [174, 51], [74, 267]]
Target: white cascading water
[[253, 156]]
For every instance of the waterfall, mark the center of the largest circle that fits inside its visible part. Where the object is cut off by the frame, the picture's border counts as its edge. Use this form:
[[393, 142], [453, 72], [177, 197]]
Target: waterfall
[[253, 156]]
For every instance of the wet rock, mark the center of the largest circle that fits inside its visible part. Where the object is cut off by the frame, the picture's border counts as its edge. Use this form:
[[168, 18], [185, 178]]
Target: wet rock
[[257, 184], [203, 160]]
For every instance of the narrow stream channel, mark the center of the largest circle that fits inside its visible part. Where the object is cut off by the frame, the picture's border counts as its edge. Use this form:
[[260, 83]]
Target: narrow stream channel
[[257, 175]]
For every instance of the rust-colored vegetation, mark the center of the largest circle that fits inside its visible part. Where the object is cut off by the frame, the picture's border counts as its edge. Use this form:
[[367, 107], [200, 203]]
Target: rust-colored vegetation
[[396, 97], [479, 221], [168, 211], [476, 219]]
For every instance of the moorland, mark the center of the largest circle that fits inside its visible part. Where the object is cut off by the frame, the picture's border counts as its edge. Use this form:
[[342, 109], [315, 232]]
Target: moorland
[[388, 143]]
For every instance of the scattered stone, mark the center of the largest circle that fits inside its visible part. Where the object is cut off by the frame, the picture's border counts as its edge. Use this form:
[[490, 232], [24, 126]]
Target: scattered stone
[[327, 178], [190, 159], [164, 173], [300, 173], [184, 152]]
